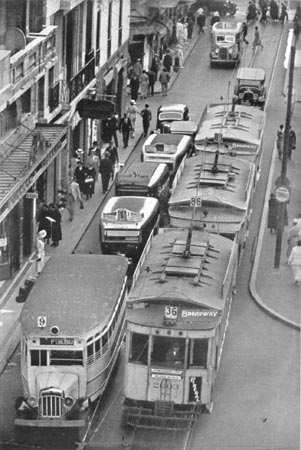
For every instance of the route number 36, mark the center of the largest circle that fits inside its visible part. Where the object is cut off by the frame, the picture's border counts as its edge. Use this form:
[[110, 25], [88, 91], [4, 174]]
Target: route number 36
[[171, 312], [196, 201], [42, 321]]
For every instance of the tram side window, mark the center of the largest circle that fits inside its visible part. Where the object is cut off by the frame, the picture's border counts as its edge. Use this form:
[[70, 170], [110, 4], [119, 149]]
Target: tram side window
[[104, 342], [139, 348], [199, 353], [38, 357]]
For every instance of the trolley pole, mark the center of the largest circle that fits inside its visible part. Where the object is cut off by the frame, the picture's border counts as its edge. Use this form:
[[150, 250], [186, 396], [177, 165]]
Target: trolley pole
[[283, 182]]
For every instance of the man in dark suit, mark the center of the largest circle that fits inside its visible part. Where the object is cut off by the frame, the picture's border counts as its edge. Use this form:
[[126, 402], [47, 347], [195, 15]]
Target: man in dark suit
[[146, 119], [125, 128]]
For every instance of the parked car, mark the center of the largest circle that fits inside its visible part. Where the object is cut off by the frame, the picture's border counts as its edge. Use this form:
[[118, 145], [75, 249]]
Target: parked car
[[249, 88], [169, 113]]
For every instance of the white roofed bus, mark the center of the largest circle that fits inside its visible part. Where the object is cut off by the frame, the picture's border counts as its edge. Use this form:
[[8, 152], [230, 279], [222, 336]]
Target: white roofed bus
[[167, 148], [72, 327], [126, 223], [233, 130], [177, 315]]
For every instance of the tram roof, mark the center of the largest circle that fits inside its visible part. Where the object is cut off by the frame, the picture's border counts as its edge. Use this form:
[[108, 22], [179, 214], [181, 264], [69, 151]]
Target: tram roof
[[76, 293], [243, 125], [198, 280], [229, 186]]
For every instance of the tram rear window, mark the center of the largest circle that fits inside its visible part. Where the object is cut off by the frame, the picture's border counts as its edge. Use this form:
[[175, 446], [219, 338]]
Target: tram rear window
[[38, 357], [139, 348], [66, 358]]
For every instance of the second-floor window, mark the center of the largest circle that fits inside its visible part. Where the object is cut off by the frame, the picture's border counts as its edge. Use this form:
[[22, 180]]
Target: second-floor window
[[109, 48], [120, 23]]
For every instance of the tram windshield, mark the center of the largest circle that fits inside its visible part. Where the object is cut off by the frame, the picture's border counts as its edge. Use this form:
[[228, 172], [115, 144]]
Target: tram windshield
[[56, 358]]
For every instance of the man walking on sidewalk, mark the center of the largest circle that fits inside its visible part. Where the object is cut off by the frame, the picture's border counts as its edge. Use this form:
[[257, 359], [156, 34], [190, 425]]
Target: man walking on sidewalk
[[106, 170], [73, 195], [146, 119], [125, 128]]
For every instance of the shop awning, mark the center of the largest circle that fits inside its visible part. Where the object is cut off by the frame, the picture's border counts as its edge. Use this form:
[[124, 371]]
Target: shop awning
[[154, 28], [25, 164]]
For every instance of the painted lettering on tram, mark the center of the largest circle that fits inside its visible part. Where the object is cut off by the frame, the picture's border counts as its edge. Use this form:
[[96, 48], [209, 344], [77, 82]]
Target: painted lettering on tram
[[186, 314], [56, 341]]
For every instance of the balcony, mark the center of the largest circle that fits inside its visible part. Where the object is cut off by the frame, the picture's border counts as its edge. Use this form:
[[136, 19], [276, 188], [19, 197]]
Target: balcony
[[81, 80], [27, 63]]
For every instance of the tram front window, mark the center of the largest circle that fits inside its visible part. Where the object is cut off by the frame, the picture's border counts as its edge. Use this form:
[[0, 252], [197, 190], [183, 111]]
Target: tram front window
[[198, 350], [168, 352], [139, 348], [66, 358]]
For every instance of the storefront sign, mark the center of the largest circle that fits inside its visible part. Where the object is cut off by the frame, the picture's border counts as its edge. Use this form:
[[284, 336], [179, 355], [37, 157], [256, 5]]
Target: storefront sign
[[31, 195], [95, 109]]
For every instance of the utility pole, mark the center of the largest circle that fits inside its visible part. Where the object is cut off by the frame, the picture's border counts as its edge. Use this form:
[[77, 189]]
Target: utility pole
[[282, 182]]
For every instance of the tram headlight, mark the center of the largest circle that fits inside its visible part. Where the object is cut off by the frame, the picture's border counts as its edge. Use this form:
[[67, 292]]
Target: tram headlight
[[69, 402], [32, 401]]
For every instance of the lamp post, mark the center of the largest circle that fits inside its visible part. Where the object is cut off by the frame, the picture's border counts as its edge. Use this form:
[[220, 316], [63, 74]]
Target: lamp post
[[282, 182]]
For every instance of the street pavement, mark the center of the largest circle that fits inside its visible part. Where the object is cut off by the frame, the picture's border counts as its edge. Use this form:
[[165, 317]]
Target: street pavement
[[272, 289]]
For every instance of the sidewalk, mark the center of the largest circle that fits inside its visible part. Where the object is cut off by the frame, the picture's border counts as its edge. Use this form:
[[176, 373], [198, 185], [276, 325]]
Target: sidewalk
[[72, 231]]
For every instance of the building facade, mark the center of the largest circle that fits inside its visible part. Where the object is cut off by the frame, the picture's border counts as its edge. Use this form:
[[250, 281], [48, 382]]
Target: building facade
[[53, 54]]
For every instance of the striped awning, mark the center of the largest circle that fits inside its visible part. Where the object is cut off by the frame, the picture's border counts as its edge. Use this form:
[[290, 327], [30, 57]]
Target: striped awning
[[25, 164]]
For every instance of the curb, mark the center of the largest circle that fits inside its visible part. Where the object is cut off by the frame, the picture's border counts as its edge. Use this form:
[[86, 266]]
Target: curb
[[252, 285]]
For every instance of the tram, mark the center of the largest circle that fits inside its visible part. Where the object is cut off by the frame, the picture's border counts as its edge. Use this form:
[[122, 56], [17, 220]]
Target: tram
[[73, 325], [167, 148], [234, 130], [217, 192], [126, 223], [177, 315]]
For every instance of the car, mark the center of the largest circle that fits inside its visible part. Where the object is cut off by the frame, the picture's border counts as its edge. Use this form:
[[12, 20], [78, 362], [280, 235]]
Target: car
[[169, 113], [249, 88]]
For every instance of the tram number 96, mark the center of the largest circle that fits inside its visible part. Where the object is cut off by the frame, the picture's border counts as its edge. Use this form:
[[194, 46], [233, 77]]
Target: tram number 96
[[171, 312], [196, 201]]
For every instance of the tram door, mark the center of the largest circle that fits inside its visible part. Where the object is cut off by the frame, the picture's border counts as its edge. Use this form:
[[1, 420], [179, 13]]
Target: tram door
[[165, 390]]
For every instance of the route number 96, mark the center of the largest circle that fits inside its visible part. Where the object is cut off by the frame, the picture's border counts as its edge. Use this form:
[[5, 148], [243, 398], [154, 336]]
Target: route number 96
[[196, 201], [171, 312]]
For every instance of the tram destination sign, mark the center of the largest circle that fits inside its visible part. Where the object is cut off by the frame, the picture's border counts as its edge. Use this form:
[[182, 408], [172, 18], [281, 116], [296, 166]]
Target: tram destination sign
[[56, 341], [282, 194]]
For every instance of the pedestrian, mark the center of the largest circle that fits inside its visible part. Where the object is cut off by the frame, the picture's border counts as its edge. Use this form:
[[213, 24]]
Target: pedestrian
[[134, 87], [292, 236], [152, 76], [245, 32], [132, 111], [137, 69], [144, 82], [73, 194], [43, 221], [96, 149], [178, 58], [185, 29], [113, 156], [280, 141], [283, 14], [257, 39], [125, 129], [56, 229], [73, 163], [274, 10], [291, 142], [215, 18], [167, 61], [146, 118], [80, 176], [295, 262], [155, 66], [201, 20], [273, 214], [41, 250], [164, 79], [94, 160], [180, 31], [106, 171], [112, 127], [90, 180]]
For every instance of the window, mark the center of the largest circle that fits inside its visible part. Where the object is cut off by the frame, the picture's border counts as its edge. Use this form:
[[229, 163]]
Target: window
[[168, 352], [120, 23], [104, 342], [198, 352], [26, 101], [139, 348], [66, 358], [38, 357], [109, 34]]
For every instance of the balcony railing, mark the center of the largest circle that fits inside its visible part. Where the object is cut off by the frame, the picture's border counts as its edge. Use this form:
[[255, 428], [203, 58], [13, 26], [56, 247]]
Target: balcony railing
[[54, 97], [81, 79], [30, 61]]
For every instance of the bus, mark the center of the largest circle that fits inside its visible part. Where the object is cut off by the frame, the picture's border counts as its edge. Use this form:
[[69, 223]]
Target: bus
[[233, 130], [148, 179], [216, 193], [167, 148], [72, 328], [226, 43], [177, 316], [126, 223]]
